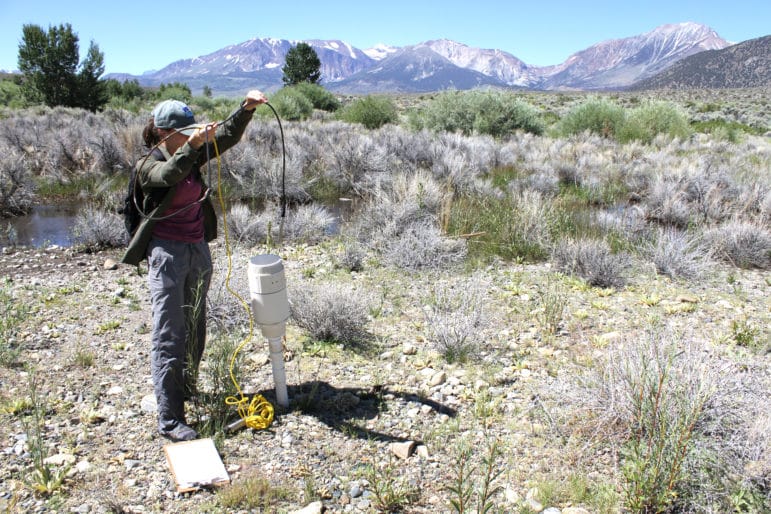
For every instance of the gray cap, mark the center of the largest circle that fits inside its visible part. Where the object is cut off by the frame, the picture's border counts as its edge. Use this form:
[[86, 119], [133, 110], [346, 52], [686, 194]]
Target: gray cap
[[173, 114]]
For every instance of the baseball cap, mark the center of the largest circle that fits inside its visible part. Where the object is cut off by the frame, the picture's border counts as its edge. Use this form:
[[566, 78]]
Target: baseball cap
[[173, 114]]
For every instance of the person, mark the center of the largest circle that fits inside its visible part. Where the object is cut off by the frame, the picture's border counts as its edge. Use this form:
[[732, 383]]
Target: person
[[178, 222]]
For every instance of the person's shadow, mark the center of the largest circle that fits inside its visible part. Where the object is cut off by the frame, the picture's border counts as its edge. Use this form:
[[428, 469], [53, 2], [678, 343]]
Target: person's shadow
[[347, 409]]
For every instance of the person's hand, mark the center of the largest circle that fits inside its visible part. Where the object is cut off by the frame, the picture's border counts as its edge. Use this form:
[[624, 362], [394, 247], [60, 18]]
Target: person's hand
[[253, 99], [202, 134]]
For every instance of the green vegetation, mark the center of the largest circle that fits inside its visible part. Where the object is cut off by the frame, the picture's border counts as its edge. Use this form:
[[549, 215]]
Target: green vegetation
[[251, 493], [493, 113], [49, 63], [372, 111], [319, 97], [12, 315], [302, 64], [473, 487], [512, 227], [604, 117], [647, 121], [598, 115], [43, 479], [390, 490], [290, 103]]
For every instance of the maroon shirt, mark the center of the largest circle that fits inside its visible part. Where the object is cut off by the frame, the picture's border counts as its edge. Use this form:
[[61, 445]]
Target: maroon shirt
[[187, 224]]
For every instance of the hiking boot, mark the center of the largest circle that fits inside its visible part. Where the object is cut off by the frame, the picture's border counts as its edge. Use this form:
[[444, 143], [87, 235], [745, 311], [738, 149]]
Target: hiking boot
[[180, 432]]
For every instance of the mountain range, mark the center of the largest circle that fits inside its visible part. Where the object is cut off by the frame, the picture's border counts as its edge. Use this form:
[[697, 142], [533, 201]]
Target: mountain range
[[441, 64], [745, 64]]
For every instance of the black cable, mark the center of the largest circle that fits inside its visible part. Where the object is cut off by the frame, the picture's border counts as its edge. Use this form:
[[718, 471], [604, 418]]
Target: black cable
[[283, 167]]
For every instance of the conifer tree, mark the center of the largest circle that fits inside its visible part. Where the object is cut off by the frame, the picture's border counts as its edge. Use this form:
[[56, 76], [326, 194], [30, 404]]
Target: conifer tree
[[302, 65]]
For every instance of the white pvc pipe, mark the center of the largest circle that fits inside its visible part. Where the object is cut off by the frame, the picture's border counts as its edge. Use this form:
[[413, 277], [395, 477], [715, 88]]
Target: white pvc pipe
[[270, 309], [277, 363]]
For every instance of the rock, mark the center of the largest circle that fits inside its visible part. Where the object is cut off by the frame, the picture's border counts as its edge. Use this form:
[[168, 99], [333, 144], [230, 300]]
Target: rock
[[438, 378], [409, 349], [149, 404], [60, 459], [533, 504], [574, 510], [311, 508], [83, 467], [110, 264], [260, 359], [422, 451], [551, 510], [403, 450], [356, 490], [512, 496]]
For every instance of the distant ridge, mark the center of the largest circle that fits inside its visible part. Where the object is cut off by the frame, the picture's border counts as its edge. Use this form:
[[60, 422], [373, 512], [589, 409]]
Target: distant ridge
[[743, 65]]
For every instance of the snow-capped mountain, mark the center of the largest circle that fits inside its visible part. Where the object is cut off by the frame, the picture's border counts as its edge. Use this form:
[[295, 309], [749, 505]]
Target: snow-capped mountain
[[620, 62], [263, 58], [414, 69], [439, 64], [493, 63]]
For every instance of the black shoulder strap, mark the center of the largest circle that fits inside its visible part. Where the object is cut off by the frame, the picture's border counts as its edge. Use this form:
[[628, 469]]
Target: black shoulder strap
[[157, 154]]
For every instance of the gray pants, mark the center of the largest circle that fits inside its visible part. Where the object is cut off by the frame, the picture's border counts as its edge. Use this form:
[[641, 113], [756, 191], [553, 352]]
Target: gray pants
[[179, 276]]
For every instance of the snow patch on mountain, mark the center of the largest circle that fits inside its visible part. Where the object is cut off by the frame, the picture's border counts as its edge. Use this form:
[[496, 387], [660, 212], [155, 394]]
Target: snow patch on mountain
[[380, 51]]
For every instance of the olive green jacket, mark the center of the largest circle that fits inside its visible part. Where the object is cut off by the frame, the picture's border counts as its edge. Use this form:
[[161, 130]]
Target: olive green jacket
[[155, 173]]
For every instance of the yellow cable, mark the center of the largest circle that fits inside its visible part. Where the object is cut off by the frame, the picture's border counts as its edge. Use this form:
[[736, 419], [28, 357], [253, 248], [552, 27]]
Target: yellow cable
[[257, 413]]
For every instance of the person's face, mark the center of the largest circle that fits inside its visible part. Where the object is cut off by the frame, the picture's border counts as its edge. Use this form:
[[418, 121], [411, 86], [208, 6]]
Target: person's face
[[174, 140]]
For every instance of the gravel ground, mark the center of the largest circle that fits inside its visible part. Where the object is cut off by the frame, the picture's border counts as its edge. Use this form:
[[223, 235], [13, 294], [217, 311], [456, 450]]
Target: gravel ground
[[387, 416]]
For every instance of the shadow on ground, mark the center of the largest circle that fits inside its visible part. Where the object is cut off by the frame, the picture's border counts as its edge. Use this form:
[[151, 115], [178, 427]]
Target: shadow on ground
[[347, 409]]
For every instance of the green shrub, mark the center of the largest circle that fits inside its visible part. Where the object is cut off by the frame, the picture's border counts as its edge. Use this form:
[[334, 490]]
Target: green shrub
[[597, 115], [644, 123], [667, 397], [290, 103], [500, 114], [174, 91], [730, 131], [371, 111], [319, 97], [11, 95], [477, 112]]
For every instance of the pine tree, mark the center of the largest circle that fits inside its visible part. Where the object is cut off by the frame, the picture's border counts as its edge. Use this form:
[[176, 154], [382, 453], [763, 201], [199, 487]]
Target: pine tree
[[302, 65], [49, 63]]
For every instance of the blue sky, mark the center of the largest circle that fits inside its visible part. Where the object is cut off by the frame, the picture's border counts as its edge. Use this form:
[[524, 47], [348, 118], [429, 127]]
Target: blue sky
[[140, 35]]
